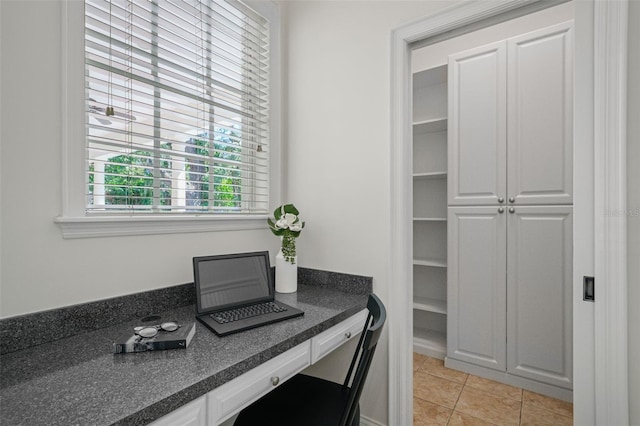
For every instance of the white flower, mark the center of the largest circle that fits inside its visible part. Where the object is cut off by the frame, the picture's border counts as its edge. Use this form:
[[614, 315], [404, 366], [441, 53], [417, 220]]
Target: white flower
[[286, 221]]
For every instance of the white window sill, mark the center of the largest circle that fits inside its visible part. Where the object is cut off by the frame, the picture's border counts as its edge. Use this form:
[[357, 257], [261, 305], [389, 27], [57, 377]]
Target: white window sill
[[110, 226]]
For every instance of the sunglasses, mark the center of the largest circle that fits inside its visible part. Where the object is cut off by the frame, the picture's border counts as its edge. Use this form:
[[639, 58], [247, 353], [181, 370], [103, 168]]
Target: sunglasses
[[152, 330]]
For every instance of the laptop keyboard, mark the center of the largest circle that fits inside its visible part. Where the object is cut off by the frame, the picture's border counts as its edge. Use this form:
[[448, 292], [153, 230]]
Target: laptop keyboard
[[246, 312]]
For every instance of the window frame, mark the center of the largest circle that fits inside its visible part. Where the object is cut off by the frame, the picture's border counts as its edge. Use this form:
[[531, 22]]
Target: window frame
[[74, 220]]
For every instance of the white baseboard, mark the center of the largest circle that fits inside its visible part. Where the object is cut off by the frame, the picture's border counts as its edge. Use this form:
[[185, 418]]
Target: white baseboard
[[366, 421], [510, 379]]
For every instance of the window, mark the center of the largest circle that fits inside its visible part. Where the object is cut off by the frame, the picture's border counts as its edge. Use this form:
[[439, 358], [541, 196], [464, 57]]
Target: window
[[177, 108]]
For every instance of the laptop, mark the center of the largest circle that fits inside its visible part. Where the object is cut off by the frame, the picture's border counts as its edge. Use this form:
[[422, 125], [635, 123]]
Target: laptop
[[236, 292]]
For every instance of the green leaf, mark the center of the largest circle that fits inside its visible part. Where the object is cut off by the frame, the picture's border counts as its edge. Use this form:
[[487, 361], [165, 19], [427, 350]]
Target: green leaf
[[290, 208], [272, 226]]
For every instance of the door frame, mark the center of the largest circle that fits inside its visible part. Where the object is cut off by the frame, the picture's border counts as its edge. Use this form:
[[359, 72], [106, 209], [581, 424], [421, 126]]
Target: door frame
[[600, 328]]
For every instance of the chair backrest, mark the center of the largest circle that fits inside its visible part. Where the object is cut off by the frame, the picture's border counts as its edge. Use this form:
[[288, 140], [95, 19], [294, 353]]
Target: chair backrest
[[354, 383]]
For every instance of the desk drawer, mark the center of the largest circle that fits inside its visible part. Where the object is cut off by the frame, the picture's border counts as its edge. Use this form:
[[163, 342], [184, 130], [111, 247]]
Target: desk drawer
[[330, 339], [231, 397], [192, 414]]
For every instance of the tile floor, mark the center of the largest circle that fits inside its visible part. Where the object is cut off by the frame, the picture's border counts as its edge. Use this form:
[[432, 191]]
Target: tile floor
[[442, 396]]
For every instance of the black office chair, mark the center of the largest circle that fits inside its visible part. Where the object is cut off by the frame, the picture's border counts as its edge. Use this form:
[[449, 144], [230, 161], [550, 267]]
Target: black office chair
[[310, 401]]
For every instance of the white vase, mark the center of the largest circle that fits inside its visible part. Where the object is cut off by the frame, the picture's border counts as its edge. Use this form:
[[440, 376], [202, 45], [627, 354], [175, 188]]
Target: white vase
[[286, 274]]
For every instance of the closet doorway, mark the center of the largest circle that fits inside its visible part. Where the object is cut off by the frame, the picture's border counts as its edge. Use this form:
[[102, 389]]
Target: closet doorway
[[433, 135], [444, 26]]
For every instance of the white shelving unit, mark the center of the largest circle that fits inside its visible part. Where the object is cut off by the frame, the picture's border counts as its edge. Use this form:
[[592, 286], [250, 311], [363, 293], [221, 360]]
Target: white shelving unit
[[430, 211], [429, 304], [429, 342]]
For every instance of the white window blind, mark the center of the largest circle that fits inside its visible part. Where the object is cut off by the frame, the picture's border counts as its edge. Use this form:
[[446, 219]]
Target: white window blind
[[177, 107]]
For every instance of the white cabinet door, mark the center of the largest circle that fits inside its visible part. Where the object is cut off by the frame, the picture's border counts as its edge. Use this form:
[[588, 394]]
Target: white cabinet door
[[477, 125], [540, 117], [510, 263], [476, 299], [539, 305]]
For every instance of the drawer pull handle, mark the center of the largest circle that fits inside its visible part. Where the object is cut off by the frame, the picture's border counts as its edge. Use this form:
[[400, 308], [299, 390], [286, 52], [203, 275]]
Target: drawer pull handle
[[275, 380], [347, 334]]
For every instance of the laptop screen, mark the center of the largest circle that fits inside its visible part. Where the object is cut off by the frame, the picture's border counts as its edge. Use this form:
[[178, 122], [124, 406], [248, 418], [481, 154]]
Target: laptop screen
[[230, 280]]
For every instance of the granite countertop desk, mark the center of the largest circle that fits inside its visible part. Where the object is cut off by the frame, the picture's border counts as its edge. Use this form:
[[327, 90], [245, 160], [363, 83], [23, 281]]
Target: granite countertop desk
[[77, 380]]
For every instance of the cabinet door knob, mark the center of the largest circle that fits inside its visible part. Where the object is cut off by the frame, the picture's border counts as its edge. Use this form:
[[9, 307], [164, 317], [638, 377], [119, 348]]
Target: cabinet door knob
[[512, 200], [275, 380], [501, 200], [347, 334], [511, 210], [500, 209]]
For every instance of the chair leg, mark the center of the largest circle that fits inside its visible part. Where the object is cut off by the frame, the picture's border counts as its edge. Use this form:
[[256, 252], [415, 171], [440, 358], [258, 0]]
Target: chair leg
[[356, 418]]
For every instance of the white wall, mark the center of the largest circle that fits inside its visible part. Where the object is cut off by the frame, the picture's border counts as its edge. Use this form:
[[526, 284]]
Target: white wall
[[338, 132], [41, 270], [633, 206]]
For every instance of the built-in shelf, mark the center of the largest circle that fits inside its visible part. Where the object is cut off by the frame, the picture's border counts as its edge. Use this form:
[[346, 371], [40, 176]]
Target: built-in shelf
[[438, 263], [429, 180], [430, 219], [430, 342], [430, 76], [431, 125], [430, 175], [428, 304], [430, 196]]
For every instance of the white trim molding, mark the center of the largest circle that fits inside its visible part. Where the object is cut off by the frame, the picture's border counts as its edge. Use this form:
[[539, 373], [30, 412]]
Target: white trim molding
[[611, 400], [366, 421], [400, 292], [610, 139], [109, 226], [400, 267]]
